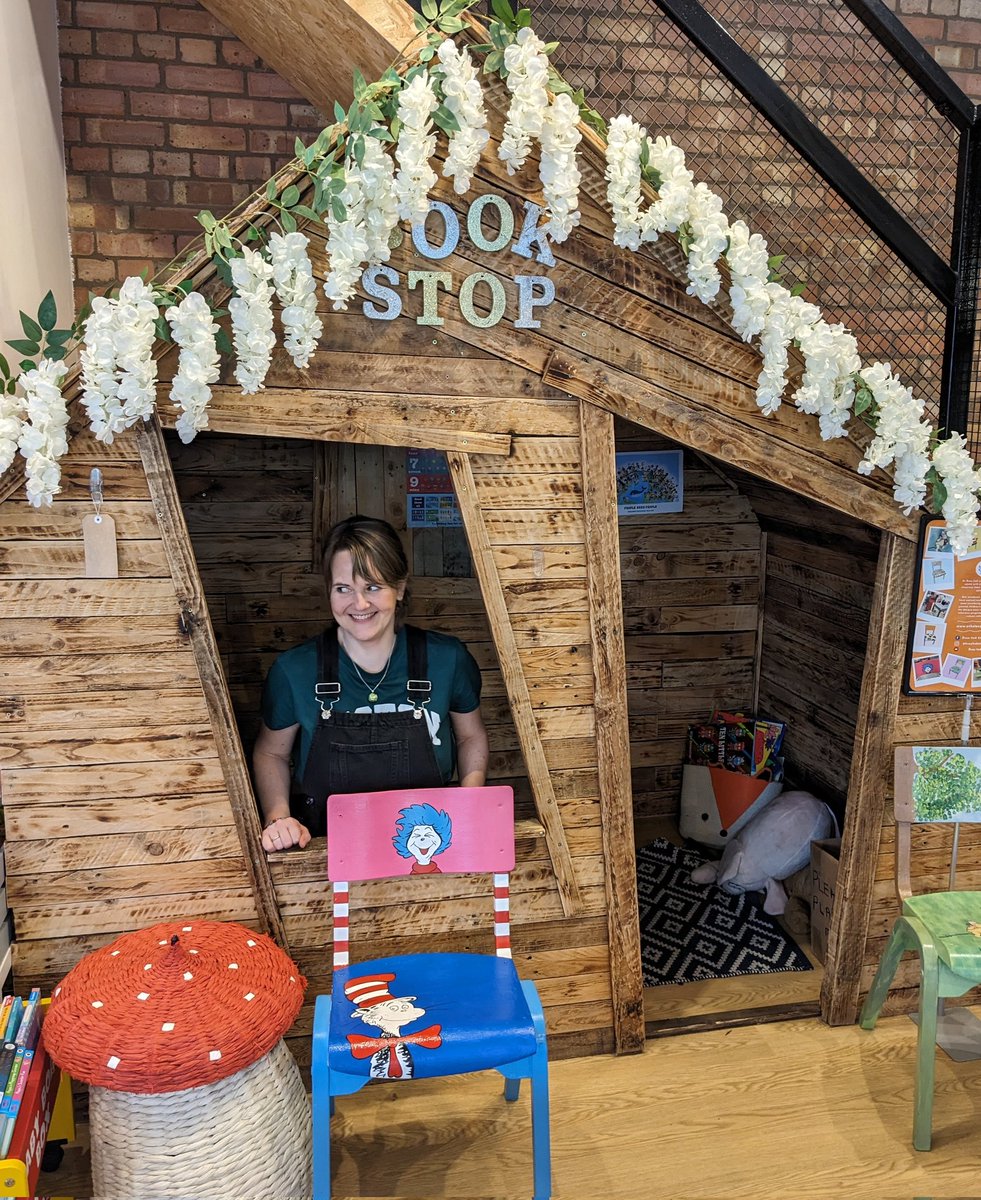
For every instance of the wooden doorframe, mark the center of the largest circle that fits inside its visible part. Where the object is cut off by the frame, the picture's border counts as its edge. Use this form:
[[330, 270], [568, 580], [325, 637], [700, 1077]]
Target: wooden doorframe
[[870, 780], [605, 595]]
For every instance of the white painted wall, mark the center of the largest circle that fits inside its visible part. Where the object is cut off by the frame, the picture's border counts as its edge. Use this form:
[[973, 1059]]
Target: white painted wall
[[34, 246]]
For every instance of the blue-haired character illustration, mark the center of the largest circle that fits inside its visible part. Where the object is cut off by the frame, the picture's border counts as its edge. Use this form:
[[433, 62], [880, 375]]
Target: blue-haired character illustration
[[422, 832]]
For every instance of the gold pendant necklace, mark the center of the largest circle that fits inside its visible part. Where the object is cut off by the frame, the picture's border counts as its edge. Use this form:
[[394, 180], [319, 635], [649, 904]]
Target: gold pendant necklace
[[373, 691]]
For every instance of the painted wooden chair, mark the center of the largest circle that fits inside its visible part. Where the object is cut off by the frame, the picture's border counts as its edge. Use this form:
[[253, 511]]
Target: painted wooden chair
[[432, 1014], [936, 926]]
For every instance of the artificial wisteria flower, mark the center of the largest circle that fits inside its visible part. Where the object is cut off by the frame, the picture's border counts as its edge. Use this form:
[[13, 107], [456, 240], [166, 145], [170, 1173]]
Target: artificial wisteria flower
[[526, 64], [749, 268], [775, 341], [193, 328], [119, 372], [370, 215], [709, 231], [43, 440], [674, 193], [252, 319], [788, 318], [962, 482], [631, 224], [464, 97], [415, 147], [12, 411], [377, 182], [827, 388], [558, 170], [902, 436], [296, 289]]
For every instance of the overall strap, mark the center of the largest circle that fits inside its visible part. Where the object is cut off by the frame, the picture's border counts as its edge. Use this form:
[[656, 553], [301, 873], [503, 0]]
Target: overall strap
[[327, 688], [418, 687]]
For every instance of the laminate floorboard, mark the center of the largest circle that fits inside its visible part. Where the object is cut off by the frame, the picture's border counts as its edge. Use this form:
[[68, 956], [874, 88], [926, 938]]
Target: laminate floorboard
[[794, 1110]]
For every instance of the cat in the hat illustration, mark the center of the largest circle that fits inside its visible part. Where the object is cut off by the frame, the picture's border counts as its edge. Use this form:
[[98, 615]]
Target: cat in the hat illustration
[[390, 1055]]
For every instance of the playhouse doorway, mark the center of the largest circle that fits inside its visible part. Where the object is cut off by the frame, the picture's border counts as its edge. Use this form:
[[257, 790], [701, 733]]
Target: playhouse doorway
[[747, 599]]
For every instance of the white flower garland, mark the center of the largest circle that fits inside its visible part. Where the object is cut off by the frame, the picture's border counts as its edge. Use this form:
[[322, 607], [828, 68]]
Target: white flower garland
[[12, 411], [749, 268], [558, 171], [296, 289], [252, 319], [527, 80], [370, 215], [962, 481], [43, 439], [416, 146], [464, 97], [119, 372], [193, 328]]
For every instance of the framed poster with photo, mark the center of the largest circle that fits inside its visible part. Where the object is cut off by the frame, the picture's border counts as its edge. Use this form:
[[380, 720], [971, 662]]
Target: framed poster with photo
[[943, 655], [650, 482]]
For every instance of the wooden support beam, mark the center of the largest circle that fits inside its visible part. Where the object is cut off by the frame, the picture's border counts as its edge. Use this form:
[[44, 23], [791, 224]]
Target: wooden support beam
[[599, 492], [316, 46], [197, 622], [869, 781], [368, 418], [700, 427], [517, 688]]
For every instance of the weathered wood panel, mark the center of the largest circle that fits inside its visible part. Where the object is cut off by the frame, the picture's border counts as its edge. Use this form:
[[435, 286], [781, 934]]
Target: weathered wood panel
[[115, 807]]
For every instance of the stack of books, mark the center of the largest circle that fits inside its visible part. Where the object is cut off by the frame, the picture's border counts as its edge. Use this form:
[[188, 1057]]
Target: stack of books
[[20, 1022]]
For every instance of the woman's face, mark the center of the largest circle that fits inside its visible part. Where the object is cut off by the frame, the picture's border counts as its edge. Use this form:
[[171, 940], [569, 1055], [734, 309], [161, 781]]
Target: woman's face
[[363, 610]]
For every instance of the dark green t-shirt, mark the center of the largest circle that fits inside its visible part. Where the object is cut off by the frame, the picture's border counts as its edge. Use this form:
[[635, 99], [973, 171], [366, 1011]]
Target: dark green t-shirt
[[288, 695]]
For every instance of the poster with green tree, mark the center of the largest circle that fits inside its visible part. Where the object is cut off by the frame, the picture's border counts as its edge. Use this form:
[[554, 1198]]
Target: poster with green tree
[[947, 783]]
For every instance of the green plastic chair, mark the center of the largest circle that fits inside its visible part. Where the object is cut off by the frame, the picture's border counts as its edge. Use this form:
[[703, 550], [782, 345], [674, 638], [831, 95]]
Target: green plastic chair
[[935, 926]]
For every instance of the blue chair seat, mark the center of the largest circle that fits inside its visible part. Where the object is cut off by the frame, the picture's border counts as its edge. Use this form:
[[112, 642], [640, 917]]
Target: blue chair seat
[[474, 1016]]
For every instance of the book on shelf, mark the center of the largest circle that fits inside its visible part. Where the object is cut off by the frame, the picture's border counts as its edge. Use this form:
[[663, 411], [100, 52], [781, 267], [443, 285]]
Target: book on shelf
[[30, 1021], [9, 1118], [8, 1053], [12, 1074], [14, 1014]]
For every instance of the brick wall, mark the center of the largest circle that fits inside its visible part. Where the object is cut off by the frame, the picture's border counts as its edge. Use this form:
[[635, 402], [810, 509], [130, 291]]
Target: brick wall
[[167, 113], [951, 32]]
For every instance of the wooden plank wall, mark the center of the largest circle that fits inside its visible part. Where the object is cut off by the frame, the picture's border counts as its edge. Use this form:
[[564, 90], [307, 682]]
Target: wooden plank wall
[[691, 585], [820, 571], [264, 595], [114, 802]]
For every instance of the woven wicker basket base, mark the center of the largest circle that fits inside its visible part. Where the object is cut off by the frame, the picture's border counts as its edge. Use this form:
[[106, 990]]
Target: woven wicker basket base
[[246, 1137]]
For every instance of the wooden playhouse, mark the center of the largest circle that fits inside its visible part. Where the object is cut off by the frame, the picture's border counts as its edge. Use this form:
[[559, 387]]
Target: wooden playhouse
[[785, 583]]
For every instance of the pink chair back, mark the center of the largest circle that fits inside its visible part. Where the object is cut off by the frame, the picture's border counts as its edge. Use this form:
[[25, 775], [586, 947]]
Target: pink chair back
[[363, 828]]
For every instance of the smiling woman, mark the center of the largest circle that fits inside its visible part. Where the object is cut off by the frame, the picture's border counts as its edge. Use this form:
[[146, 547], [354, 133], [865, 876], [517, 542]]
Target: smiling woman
[[376, 704]]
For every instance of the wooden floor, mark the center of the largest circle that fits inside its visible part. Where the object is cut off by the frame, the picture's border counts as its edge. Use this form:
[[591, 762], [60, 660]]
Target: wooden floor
[[789, 1111]]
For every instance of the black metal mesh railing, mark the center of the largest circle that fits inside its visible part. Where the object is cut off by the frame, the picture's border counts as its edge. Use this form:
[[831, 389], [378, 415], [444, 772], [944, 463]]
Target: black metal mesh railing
[[630, 57]]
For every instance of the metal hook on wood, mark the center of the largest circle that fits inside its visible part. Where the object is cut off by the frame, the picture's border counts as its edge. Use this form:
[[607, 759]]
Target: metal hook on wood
[[95, 491]]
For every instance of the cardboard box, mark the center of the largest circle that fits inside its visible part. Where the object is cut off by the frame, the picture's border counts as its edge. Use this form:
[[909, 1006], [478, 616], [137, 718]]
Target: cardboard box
[[824, 875]]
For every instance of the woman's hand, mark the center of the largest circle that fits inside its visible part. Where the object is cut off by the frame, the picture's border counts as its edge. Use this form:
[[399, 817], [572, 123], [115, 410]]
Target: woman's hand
[[283, 833]]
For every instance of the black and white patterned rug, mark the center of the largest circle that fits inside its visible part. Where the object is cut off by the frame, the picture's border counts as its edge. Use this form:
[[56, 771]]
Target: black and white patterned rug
[[690, 931]]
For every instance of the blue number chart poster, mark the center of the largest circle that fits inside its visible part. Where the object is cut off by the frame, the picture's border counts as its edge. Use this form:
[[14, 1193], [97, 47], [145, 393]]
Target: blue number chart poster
[[430, 501]]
